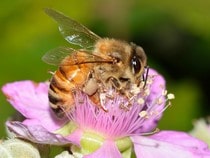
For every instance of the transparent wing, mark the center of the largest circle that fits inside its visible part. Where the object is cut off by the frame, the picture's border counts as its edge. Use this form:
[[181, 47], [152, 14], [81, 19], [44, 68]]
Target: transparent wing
[[56, 56], [65, 56], [74, 32]]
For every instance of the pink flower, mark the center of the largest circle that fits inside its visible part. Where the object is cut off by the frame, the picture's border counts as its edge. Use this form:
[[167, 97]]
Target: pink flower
[[123, 131]]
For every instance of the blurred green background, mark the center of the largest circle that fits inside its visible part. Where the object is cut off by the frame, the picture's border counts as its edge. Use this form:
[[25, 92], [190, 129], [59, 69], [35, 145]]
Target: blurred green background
[[175, 36]]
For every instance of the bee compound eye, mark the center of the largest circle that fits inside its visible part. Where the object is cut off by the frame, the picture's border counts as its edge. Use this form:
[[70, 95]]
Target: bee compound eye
[[135, 64]]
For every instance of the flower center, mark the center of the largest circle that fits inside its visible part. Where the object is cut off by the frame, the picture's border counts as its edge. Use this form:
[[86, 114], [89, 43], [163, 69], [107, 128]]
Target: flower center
[[91, 141]]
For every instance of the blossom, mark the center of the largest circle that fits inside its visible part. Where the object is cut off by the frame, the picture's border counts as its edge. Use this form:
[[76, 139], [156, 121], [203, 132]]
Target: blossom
[[127, 128]]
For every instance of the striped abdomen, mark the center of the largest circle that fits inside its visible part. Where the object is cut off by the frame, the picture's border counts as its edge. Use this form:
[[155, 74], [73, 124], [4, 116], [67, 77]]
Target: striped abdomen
[[64, 82]]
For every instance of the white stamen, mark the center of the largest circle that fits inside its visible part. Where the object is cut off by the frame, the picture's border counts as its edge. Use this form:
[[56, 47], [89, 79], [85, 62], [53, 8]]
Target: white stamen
[[135, 90], [141, 84], [170, 96], [159, 101], [143, 114], [146, 92], [149, 81], [164, 92], [141, 101]]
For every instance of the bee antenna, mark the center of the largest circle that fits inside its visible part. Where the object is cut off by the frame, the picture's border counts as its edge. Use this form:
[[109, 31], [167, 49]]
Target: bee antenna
[[145, 75]]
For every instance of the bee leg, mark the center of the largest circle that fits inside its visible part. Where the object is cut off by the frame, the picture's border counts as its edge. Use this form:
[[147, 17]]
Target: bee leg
[[103, 98], [99, 100], [90, 87], [115, 83]]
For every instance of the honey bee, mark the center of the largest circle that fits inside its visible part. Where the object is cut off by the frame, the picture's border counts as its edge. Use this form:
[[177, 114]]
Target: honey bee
[[99, 64]]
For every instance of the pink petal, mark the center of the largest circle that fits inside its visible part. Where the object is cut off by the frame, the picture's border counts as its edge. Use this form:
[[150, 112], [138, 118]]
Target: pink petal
[[169, 144], [36, 134], [157, 86], [27, 95], [156, 91], [107, 150], [31, 100], [183, 139], [75, 137]]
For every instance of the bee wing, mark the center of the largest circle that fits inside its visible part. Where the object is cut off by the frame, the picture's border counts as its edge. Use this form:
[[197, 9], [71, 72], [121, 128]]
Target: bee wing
[[55, 56], [75, 57], [74, 32]]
